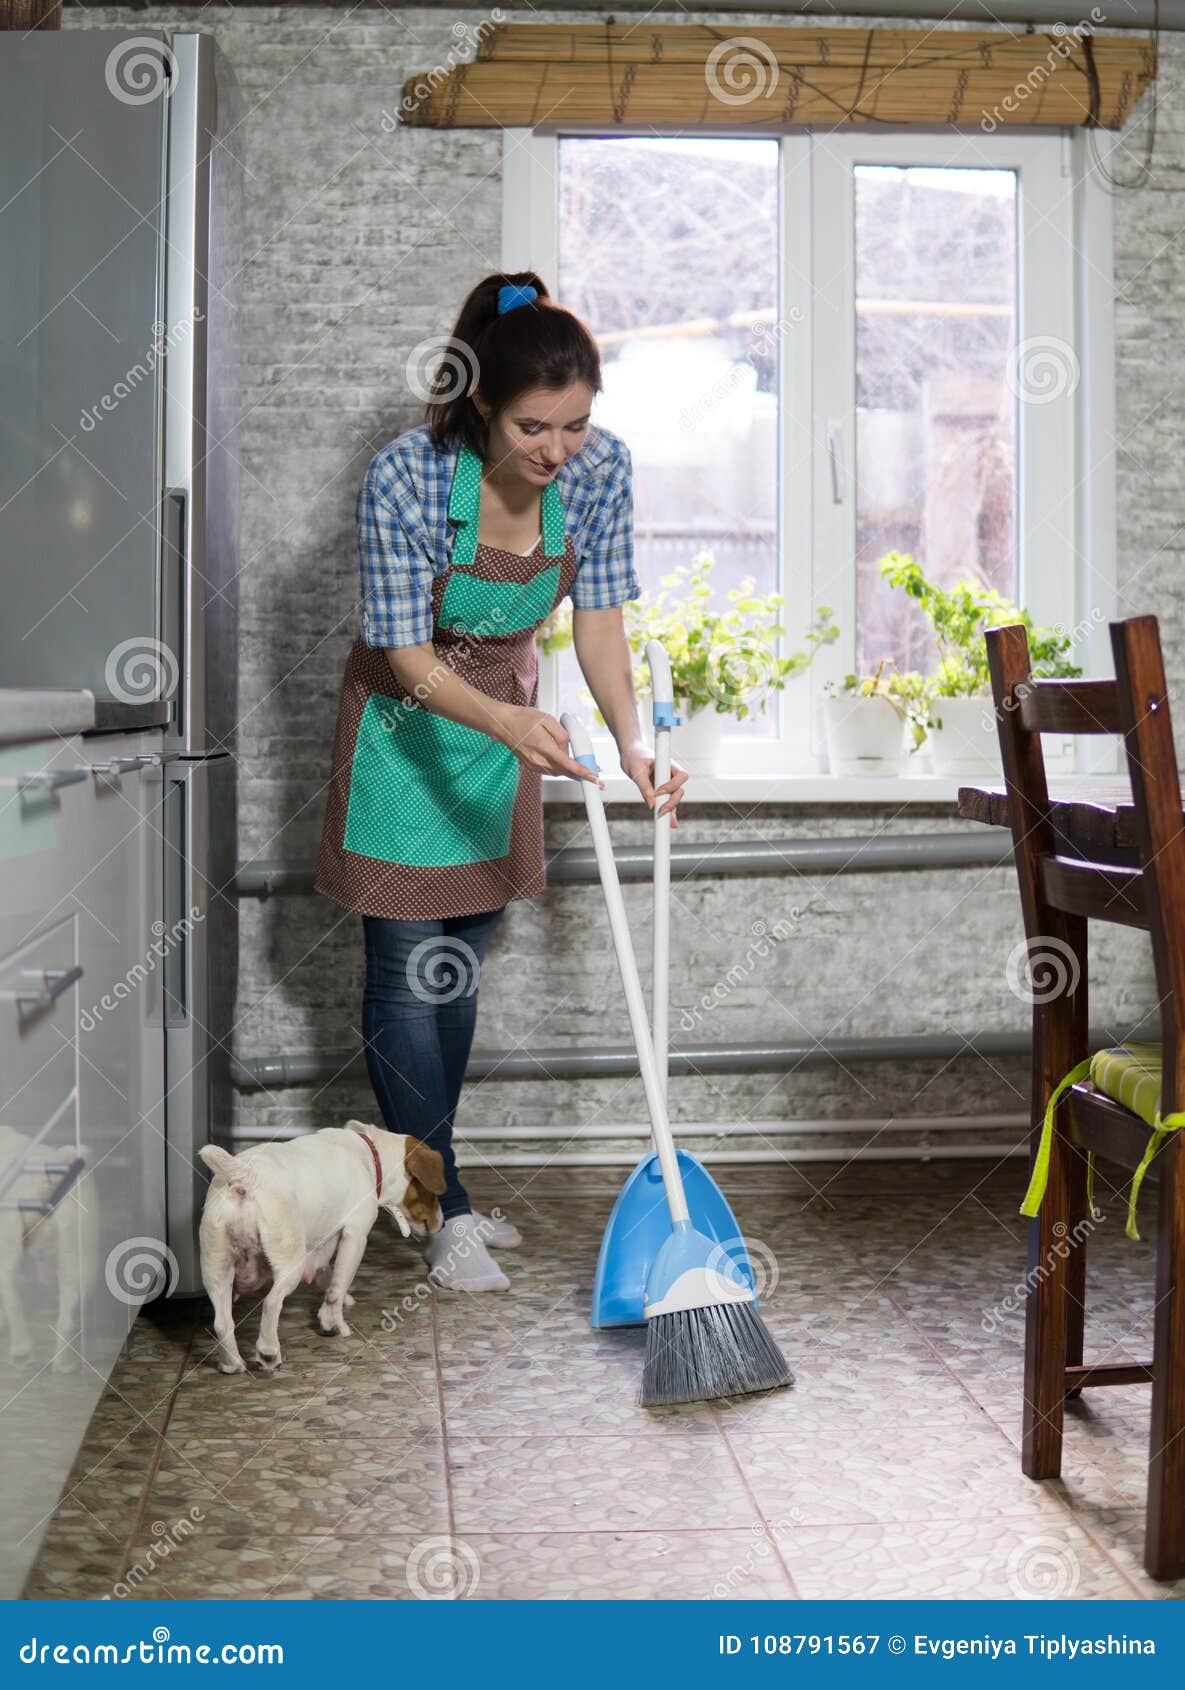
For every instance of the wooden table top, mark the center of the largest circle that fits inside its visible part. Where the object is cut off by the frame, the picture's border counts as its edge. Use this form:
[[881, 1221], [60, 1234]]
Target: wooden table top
[[1094, 817]]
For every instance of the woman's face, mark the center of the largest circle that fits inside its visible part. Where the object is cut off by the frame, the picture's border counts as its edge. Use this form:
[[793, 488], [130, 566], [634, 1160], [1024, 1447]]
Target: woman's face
[[538, 432]]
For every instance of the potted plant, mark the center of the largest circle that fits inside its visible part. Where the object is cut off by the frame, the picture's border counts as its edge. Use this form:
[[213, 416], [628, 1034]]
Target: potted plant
[[873, 722], [724, 663], [958, 713]]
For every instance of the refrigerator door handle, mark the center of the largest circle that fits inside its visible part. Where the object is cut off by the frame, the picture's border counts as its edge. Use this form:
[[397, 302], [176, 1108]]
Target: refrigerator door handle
[[177, 869], [175, 531]]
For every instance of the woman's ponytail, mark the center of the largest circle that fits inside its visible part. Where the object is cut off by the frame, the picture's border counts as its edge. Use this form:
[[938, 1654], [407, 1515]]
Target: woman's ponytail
[[504, 352]]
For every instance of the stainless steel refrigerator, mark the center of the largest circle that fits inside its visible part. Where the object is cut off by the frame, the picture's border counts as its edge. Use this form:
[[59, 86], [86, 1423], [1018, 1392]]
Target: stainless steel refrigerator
[[120, 191]]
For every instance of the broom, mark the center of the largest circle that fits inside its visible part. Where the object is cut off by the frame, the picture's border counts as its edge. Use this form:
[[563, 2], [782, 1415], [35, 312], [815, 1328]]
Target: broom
[[704, 1336]]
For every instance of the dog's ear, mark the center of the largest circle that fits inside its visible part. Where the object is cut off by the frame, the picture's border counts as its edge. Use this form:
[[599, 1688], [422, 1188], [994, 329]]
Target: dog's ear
[[359, 1127], [425, 1165]]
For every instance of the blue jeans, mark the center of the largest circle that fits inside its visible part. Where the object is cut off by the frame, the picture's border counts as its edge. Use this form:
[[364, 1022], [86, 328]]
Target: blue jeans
[[418, 1011]]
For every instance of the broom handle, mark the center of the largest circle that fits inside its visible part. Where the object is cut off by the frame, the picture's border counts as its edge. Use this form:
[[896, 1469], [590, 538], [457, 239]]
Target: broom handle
[[664, 1144], [660, 990]]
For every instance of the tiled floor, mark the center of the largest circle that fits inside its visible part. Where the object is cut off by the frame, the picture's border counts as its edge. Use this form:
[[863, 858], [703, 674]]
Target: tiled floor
[[491, 1446]]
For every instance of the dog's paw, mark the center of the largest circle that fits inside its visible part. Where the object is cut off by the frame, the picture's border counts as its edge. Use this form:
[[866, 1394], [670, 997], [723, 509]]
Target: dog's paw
[[239, 1366], [269, 1360]]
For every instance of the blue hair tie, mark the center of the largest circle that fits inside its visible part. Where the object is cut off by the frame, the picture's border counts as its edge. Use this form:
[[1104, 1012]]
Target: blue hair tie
[[511, 295]]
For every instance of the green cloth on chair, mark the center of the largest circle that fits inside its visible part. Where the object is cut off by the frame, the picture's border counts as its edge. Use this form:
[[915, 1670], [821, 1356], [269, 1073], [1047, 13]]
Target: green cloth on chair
[[1131, 1075]]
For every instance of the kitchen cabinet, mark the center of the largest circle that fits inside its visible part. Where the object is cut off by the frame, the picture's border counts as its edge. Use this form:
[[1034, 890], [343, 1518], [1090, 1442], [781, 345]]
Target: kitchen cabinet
[[82, 1160]]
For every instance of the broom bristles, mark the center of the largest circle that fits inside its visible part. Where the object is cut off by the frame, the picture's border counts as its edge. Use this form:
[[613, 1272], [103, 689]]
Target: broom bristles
[[694, 1355]]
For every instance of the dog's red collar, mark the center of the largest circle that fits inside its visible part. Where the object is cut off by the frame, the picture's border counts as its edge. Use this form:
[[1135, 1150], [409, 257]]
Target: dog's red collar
[[378, 1166]]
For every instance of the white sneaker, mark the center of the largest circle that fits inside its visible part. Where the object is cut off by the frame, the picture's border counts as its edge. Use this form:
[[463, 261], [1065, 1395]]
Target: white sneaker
[[458, 1259], [496, 1234], [501, 1235]]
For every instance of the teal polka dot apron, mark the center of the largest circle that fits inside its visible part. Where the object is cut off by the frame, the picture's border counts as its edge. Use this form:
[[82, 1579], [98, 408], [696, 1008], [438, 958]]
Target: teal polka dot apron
[[425, 817]]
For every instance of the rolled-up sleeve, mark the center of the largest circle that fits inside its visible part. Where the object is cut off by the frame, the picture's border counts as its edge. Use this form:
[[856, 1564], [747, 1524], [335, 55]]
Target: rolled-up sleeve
[[606, 576], [394, 564]]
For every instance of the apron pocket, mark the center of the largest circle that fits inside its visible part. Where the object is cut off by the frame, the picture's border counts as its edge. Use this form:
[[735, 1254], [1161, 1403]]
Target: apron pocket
[[473, 605], [425, 791]]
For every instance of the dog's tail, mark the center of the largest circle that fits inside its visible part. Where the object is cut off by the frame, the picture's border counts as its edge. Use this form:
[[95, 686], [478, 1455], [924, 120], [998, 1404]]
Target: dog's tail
[[233, 1170]]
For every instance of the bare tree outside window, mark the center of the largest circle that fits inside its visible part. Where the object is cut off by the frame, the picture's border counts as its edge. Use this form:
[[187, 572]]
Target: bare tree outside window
[[668, 250], [935, 416]]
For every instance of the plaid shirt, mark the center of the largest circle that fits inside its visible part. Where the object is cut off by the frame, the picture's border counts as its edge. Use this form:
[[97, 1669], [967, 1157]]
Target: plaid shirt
[[405, 535]]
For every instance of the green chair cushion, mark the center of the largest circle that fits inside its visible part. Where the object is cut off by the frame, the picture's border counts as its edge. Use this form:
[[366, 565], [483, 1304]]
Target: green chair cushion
[[1131, 1075]]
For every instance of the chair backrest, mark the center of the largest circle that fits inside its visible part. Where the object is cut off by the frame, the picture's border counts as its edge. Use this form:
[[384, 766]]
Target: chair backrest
[[1059, 890]]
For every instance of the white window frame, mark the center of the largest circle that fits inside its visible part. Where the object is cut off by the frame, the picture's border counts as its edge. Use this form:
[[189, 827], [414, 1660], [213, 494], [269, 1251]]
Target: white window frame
[[1066, 538]]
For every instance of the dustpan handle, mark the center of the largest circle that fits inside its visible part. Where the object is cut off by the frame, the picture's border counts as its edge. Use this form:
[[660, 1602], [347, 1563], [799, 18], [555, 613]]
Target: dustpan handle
[[660, 984], [594, 804]]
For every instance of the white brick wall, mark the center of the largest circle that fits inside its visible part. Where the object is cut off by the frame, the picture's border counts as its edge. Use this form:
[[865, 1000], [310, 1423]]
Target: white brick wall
[[359, 243]]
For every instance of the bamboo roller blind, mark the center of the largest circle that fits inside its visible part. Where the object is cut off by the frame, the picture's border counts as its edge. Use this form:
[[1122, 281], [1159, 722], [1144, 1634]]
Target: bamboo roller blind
[[627, 75]]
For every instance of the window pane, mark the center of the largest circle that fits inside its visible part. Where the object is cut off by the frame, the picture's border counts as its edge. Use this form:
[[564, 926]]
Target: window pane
[[668, 250], [935, 416]]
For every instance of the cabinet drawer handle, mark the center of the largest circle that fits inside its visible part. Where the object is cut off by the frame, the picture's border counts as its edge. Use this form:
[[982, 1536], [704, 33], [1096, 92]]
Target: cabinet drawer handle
[[67, 1173], [44, 780], [117, 766], [56, 981]]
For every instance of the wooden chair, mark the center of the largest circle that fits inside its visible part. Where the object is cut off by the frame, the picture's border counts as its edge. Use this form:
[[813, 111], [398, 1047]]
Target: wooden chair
[[1059, 893]]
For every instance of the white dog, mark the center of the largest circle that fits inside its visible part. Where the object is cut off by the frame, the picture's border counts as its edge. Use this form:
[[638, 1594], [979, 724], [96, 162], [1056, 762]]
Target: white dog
[[285, 1210]]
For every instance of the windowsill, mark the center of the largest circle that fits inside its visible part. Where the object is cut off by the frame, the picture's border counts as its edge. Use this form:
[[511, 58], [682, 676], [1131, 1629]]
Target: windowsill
[[775, 789]]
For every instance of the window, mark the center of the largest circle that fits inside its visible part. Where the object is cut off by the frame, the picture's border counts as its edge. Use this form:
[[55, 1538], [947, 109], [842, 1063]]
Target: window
[[690, 368], [823, 347], [935, 266]]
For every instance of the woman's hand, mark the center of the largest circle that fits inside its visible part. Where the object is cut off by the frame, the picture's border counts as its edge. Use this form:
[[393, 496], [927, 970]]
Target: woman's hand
[[540, 742], [637, 760]]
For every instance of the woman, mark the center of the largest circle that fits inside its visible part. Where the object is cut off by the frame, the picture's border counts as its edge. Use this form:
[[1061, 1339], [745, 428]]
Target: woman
[[471, 528]]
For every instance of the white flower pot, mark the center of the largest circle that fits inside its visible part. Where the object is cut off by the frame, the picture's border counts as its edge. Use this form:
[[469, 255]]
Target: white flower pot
[[695, 743], [966, 744], [865, 735]]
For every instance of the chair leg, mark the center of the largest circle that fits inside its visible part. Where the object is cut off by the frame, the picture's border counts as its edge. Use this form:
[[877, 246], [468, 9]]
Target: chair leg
[[1076, 1238], [1045, 1342], [1164, 1532]]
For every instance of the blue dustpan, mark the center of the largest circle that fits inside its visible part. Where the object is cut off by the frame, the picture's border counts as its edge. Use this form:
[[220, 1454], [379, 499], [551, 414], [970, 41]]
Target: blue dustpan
[[642, 1221], [639, 1227]]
